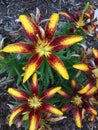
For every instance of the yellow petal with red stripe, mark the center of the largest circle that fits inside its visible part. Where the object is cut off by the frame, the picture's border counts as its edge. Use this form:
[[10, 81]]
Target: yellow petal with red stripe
[[34, 119], [95, 52], [20, 47], [30, 28], [51, 26], [82, 67], [67, 15], [47, 107], [49, 93], [91, 91], [77, 117], [58, 65], [64, 94], [33, 64], [34, 84], [63, 42], [16, 112], [19, 95], [85, 89]]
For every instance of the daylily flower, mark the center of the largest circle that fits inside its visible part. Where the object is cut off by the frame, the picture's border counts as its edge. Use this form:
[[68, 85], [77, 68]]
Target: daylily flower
[[90, 68], [43, 45], [33, 104], [84, 19], [79, 101]]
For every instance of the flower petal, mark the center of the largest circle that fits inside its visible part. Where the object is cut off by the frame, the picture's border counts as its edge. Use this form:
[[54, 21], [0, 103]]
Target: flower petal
[[47, 107], [34, 119], [16, 112], [20, 47], [64, 94], [77, 117], [49, 93], [68, 16], [95, 53], [82, 67], [33, 64], [31, 29], [19, 95], [74, 85], [63, 42], [67, 108], [34, 84], [91, 92], [91, 109], [58, 65], [86, 88], [51, 26]]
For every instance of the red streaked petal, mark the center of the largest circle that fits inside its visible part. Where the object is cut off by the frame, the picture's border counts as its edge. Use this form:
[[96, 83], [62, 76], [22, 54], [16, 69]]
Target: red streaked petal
[[58, 65], [91, 109], [30, 28], [68, 16], [91, 92], [16, 112], [34, 119], [51, 26], [49, 93], [19, 95], [20, 47], [64, 94], [77, 117], [74, 85], [82, 67], [67, 108], [63, 42], [47, 107], [86, 88], [95, 52], [33, 64], [34, 84]]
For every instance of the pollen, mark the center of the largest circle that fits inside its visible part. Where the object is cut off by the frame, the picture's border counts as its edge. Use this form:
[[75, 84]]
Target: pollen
[[77, 100], [34, 102], [43, 48]]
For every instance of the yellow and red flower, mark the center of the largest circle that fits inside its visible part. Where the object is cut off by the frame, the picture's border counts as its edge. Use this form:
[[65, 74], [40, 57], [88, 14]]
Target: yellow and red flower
[[33, 104], [84, 19], [43, 44], [79, 102], [90, 67]]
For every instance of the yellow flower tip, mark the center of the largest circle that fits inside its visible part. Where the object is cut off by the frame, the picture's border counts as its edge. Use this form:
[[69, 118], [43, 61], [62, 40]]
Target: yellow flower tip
[[66, 76], [22, 17], [10, 90], [10, 123]]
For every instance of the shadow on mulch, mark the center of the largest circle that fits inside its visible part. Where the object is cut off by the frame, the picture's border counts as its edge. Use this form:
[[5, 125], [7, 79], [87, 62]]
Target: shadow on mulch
[[9, 12]]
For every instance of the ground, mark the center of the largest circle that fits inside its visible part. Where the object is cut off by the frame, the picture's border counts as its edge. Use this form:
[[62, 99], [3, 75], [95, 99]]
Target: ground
[[10, 29]]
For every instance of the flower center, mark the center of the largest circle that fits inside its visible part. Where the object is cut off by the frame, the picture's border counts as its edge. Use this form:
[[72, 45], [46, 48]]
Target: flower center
[[34, 102], [43, 47], [77, 100]]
